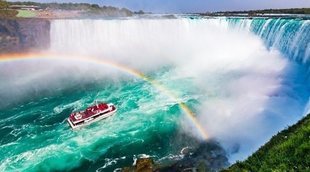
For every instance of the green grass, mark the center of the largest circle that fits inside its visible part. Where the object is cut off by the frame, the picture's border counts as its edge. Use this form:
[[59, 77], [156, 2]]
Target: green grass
[[289, 150], [26, 13]]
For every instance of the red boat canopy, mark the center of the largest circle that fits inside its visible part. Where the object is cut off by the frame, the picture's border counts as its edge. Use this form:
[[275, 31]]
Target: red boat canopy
[[90, 111]]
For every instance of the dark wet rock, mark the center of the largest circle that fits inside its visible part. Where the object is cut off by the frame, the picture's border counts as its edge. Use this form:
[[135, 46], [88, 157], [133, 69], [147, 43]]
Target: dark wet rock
[[22, 35], [145, 165], [209, 156], [142, 165]]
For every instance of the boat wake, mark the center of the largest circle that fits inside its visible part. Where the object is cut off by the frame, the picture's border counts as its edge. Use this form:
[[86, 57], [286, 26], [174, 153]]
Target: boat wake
[[242, 82]]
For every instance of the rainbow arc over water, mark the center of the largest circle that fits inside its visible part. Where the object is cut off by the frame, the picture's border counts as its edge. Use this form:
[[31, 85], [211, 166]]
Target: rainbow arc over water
[[123, 68]]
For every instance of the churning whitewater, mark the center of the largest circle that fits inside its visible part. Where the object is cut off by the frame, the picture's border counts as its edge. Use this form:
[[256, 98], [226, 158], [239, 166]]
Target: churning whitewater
[[243, 81]]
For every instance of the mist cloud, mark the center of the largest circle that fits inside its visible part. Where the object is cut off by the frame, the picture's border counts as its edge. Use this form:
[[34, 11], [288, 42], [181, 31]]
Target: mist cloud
[[243, 96]]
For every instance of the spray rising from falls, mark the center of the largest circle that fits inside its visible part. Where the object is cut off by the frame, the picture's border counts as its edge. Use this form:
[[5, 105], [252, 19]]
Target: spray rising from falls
[[241, 90], [48, 119], [244, 80], [290, 36], [191, 116]]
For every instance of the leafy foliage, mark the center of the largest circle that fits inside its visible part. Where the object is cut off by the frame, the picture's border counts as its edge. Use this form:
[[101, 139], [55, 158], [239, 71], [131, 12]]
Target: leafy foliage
[[87, 8], [4, 4], [8, 13], [289, 150], [5, 12], [272, 11]]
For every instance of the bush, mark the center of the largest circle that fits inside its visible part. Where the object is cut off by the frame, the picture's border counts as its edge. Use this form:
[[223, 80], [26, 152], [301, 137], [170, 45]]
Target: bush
[[4, 4], [8, 13]]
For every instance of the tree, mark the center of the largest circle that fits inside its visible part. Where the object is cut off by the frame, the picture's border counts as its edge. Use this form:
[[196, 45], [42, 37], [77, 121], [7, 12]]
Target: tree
[[5, 12], [4, 4]]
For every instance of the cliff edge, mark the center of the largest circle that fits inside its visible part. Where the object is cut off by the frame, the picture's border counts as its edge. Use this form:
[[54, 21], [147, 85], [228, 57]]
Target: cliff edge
[[22, 35]]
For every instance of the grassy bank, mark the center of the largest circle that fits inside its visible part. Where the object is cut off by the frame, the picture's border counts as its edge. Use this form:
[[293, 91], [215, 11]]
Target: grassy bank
[[289, 150], [26, 13]]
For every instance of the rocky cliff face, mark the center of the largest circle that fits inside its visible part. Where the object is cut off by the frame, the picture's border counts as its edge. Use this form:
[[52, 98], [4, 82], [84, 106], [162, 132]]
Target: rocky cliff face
[[22, 35]]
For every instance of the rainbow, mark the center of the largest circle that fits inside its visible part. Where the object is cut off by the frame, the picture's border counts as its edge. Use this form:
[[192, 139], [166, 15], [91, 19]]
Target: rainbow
[[189, 114]]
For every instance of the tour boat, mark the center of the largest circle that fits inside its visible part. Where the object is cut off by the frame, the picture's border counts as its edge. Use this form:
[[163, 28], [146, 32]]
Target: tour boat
[[91, 114]]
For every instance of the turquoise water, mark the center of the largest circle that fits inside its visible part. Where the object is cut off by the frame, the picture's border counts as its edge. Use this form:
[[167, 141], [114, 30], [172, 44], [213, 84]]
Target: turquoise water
[[242, 97], [36, 136], [290, 36]]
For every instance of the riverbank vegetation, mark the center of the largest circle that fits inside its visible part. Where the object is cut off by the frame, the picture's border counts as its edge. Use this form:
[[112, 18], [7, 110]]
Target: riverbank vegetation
[[262, 12], [80, 9], [5, 12], [289, 150]]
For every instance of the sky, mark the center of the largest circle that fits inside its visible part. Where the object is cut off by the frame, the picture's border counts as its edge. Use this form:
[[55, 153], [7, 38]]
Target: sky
[[181, 6]]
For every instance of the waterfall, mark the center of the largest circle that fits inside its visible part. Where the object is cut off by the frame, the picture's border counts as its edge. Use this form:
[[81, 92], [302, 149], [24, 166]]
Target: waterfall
[[290, 36], [251, 72], [244, 80], [156, 38]]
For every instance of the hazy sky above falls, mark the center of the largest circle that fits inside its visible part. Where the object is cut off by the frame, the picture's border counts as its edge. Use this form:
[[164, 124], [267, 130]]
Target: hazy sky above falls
[[179, 6]]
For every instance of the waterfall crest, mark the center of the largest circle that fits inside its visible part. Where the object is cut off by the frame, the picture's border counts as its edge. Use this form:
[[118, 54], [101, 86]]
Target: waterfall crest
[[290, 36]]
